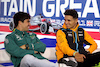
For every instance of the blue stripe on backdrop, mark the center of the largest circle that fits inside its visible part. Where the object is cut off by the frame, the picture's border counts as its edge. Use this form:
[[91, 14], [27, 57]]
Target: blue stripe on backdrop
[[1, 33], [49, 42], [6, 64]]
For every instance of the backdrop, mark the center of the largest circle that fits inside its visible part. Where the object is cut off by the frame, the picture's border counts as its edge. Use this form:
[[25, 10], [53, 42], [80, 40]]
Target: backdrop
[[88, 10]]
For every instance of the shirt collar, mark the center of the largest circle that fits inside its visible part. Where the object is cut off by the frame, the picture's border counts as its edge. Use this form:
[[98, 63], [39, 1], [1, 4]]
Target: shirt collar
[[20, 32]]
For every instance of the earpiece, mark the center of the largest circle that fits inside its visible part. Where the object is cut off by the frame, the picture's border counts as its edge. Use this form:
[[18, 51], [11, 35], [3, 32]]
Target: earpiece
[[11, 26]]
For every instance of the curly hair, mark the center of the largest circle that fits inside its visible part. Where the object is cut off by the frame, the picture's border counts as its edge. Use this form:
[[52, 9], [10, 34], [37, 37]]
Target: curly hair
[[20, 16], [71, 12]]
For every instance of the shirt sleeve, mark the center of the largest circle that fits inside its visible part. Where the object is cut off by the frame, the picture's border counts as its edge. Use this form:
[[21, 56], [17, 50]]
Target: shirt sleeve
[[63, 44], [89, 39], [39, 46], [13, 49]]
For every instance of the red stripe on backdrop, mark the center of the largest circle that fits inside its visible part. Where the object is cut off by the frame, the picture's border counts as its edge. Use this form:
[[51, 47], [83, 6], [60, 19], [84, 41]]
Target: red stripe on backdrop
[[94, 35], [4, 28], [1, 42], [33, 26]]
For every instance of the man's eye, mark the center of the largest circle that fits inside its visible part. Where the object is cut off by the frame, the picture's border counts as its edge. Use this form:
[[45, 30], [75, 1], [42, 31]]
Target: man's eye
[[64, 20], [68, 20]]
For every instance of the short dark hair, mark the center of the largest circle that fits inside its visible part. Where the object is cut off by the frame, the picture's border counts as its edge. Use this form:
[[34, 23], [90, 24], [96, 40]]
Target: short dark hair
[[20, 16], [71, 12]]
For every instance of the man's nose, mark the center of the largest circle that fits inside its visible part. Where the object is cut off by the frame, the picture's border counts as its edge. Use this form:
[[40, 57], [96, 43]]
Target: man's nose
[[66, 22], [29, 24]]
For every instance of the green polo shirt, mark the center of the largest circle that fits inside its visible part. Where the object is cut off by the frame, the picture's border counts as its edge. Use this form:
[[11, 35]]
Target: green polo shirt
[[18, 38]]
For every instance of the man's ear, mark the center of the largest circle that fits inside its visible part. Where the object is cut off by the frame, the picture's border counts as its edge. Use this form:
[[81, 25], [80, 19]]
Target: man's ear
[[76, 20], [20, 22]]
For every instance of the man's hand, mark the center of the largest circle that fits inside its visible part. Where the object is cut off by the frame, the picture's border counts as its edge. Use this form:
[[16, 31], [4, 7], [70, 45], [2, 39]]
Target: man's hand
[[23, 46], [80, 57], [35, 52]]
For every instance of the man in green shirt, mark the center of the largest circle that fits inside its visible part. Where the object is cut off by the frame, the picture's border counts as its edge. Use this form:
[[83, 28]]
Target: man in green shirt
[[25, 48]]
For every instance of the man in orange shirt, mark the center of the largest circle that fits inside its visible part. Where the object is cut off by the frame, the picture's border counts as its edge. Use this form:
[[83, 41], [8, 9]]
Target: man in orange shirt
[[70, 39]]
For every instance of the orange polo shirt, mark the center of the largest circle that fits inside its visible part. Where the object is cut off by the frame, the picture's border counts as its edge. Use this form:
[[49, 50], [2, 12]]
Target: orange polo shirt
[[62, 45]]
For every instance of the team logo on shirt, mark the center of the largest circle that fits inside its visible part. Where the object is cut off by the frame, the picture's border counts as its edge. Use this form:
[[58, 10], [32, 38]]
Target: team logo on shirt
[[6, 41], [69, 34], [18, 37], [31, 35]]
